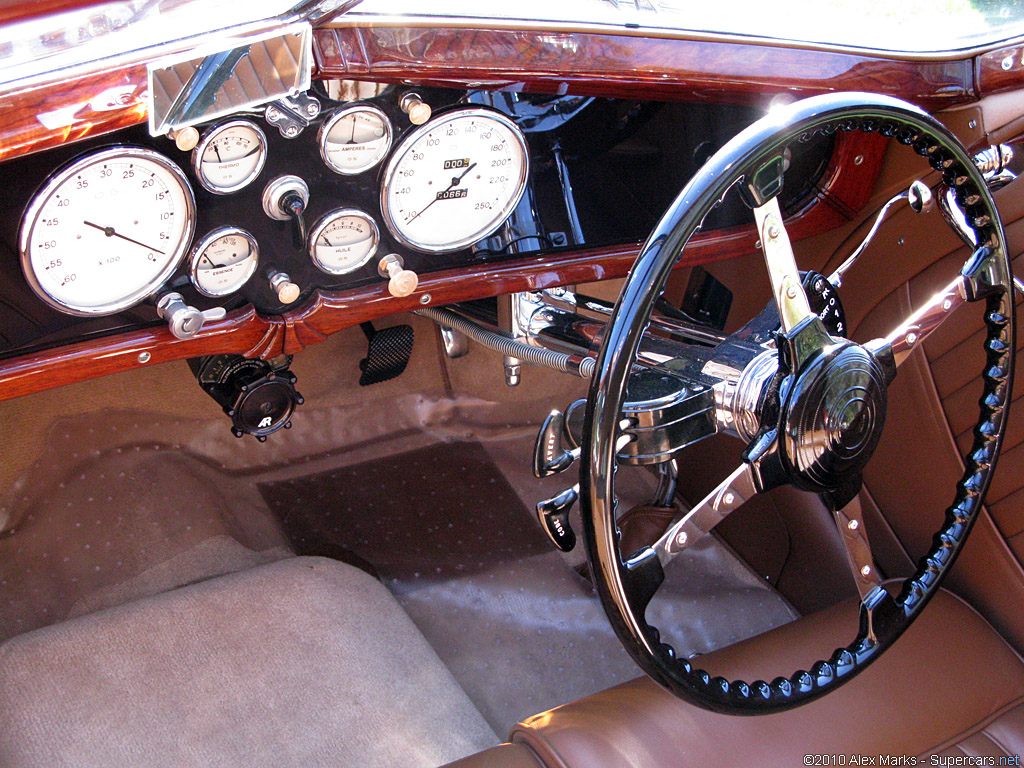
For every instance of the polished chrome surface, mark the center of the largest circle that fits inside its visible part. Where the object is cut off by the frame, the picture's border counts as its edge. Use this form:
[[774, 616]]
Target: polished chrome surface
[[185, 321], [739, 394], [730, 494], [850, 521], [275, 192], [921, 200], [778, 255], [956, 218], [292, 114], [910, 334], [190, 89], [999, 164]]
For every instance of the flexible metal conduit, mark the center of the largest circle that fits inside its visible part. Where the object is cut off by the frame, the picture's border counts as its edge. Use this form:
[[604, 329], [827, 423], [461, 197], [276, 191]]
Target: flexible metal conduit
[[506, 345]]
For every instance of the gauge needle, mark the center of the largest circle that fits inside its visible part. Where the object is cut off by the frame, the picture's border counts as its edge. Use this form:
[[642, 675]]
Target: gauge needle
[[216, 151], [110, 232], [455, 183], [210, 262]]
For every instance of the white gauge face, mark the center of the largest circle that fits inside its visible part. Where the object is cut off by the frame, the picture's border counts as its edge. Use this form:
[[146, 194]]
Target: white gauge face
[[355, 139], [223, 261], [230, 156], [454, 180], [107, 231], [343, 240]]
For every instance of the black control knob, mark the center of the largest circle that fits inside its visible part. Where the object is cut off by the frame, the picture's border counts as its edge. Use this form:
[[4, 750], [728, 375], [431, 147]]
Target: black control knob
[[258, 397]]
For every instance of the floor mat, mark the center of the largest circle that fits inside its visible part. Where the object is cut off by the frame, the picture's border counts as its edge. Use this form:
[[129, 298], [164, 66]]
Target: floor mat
[[512, 620]]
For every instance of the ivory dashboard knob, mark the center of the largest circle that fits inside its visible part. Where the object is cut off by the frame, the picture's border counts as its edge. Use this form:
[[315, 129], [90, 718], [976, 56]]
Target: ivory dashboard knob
[[401, 282], [286, 290], [417, 109]]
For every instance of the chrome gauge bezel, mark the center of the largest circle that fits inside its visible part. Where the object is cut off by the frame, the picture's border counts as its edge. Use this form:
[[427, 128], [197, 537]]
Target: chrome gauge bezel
[[57, 180], [325, 221], [410, 140], [209, 239], [213, 133], [341, 114]]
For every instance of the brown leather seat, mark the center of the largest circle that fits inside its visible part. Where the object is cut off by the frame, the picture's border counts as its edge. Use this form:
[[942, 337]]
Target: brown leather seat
[[950, 686]]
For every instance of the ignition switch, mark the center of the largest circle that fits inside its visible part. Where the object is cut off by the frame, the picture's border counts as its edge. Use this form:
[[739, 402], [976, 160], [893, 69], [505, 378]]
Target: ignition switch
[[258, 396]]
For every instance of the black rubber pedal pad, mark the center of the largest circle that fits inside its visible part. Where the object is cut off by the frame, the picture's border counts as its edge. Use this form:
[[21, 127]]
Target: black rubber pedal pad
[[387, 354]]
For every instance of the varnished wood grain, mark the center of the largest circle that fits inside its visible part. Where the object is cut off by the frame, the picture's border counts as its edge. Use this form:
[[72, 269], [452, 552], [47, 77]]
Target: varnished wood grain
[[1001, 70], [41, 118], [627, 66]]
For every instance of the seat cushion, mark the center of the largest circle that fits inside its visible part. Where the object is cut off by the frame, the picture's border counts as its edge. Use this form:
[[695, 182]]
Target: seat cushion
[[950, 680], [303, 662]]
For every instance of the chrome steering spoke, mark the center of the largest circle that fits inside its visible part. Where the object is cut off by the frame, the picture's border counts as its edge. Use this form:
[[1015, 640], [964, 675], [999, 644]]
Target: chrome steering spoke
[[730, 494], [850, 521], [909, 335], [789, 294]]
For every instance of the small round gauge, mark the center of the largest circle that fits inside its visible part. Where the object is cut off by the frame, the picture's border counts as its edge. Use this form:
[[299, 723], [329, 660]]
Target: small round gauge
[[230, 156], [106, 231], [223, 261], [355, 139], [454, 180], [343, 240]]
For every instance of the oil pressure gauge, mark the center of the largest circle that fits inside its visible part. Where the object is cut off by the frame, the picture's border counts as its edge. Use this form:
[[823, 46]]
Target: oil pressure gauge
[[355, 139], [343, 240], [223, 261], [230, 156]]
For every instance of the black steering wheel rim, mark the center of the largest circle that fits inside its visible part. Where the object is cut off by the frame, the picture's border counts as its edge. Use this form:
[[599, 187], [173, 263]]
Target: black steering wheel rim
[[625, 587]]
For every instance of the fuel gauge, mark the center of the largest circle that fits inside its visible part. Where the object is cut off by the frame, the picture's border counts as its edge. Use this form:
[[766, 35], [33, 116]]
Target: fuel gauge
[[355, 139], [343, 240], [223, 261], [230, 156]]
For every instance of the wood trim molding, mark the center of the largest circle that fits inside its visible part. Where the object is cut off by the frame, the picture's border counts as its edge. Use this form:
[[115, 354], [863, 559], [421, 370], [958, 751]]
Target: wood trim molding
[[626, 66]]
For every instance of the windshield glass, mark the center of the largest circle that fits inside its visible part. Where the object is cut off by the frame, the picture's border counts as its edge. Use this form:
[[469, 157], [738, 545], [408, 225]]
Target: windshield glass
[[916, 26]]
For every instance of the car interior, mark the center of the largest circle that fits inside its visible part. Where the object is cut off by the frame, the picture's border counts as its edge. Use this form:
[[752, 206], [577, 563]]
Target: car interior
[[616, 385]]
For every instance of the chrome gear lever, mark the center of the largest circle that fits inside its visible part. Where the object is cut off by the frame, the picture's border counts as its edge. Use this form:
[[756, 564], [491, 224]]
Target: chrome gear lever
[[550, 456]]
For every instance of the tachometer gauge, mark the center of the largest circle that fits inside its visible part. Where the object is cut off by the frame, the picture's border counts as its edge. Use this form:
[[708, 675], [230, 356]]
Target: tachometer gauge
[[107, 231], [230, 156], [223, 261], [454, 180], [343, 240], [355, 139]]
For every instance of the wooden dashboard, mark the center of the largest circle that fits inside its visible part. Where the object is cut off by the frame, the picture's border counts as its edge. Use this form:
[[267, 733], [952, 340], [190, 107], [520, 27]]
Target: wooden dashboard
[[544, 61]]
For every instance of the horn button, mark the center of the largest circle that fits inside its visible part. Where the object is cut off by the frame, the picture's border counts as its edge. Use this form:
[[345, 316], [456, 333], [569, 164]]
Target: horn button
[[832, 416]]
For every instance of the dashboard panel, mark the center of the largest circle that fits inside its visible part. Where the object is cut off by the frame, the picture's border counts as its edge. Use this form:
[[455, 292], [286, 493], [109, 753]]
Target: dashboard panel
[[594, 173]]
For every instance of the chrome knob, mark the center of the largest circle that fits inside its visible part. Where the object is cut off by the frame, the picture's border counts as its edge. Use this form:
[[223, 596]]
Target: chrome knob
[[185, 321]]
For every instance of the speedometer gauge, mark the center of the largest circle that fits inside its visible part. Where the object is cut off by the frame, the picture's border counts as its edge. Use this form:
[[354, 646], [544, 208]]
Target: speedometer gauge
[[454, 180], [107, 231]]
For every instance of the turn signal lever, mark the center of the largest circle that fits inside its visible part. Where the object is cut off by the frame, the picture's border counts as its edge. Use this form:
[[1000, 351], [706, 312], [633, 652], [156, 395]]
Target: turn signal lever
[[550, 457]]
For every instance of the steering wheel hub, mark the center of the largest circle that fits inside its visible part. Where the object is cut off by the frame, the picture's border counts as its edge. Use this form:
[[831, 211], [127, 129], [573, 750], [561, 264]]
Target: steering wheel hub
[[833, 416]]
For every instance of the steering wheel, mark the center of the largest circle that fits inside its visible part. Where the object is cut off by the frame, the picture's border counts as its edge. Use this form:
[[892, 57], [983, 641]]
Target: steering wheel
[[810, 404]]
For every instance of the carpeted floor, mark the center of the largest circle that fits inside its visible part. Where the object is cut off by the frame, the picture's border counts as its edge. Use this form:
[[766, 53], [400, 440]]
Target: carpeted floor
[[511, 618]]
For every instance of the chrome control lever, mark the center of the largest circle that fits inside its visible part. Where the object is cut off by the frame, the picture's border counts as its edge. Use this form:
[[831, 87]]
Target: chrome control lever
[[920, 199], [553, 515], [550, 456]]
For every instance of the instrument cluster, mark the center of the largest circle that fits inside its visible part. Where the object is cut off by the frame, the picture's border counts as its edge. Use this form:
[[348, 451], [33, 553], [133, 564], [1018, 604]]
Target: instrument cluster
[[246, 209]]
